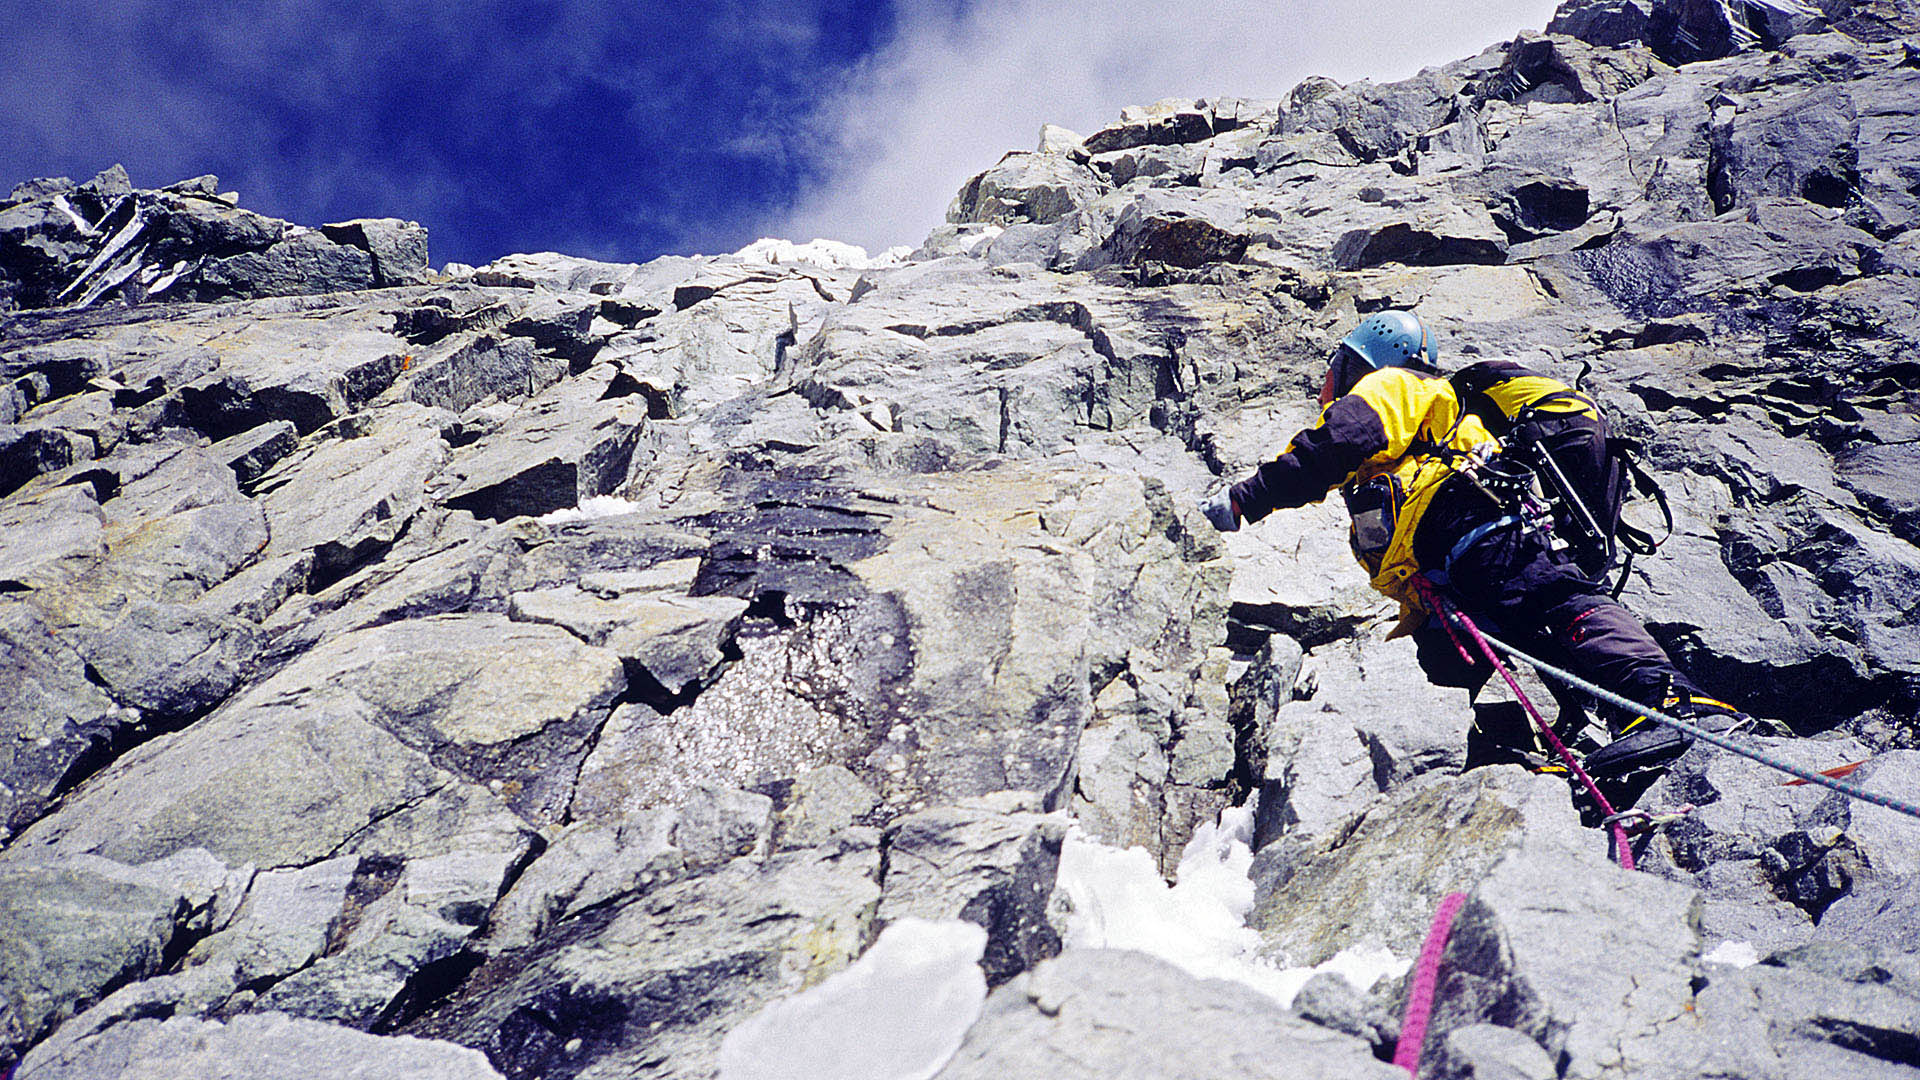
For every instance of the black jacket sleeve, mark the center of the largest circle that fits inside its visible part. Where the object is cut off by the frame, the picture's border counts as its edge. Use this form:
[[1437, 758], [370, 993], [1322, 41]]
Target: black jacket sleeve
[[1318, 459]]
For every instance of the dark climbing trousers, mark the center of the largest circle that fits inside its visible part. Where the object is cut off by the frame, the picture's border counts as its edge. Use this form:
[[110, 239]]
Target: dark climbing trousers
[[1511, 582]]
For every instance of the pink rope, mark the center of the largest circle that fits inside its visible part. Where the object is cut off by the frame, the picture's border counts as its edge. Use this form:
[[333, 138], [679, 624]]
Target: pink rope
[[1426, 976], [1449, 615]]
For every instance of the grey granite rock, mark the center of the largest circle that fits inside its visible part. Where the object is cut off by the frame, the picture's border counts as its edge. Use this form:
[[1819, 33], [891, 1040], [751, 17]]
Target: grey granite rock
[[54, 722], [641, 986], [821, 803], [251, 453], [1026, 188], [1094, 1012], [1489, 1052], [677, 641], [559, 449], [301, 262], [398, 248], [79, 926], [983, 864], [268, 1046], [451, 687], [170, 661], [1377, 879], [345, 499]]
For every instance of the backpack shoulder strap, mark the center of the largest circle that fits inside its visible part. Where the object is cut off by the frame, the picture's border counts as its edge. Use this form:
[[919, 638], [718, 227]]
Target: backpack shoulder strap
[[1627, 452]]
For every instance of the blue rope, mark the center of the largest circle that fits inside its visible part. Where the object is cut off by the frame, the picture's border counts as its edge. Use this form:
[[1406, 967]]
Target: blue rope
[[1849, 790]]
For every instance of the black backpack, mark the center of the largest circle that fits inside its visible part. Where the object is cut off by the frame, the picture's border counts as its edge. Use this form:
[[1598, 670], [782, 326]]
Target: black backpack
[[1585, 470]]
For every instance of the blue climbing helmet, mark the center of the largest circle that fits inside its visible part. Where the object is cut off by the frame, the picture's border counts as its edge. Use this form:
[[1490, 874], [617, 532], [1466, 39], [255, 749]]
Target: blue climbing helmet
[[1394, 339]]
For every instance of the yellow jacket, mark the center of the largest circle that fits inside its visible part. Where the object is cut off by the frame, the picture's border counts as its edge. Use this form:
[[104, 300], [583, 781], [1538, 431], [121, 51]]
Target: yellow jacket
[[1387, 445]]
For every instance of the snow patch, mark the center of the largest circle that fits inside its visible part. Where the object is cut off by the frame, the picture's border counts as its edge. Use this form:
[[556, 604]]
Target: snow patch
[[1119, 901], [898, 1013], [827, 254], [1740, 954], [590, 509]]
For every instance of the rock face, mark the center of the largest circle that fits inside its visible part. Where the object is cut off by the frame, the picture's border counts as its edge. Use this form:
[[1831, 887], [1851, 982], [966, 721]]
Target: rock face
[[538, 670]]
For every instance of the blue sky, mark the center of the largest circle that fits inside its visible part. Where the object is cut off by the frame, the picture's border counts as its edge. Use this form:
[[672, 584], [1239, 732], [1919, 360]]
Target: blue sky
[[624, 129]]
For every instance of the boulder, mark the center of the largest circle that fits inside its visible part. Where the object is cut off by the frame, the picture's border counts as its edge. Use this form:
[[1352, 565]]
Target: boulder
[[553, 453], [588, 865], [1373, 122], [1591, 961], [995, 869], [1372, 722], [172, 662], [1167, 122], [1758, 846], [444, 685], [34, 450], [79, 926], [1543, 69], [1374, 880], [822, 803], [463, 371], [269, 780], [1097, 1012], [1025, 188], [251, 453], [1604, 22], [398, 248], [54, 722], [275, 365], [1181, 231], [639, 985], [678, 642], [304, 261]]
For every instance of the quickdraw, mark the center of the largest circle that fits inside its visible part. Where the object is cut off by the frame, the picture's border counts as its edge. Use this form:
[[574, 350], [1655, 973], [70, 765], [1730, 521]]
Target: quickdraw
[[1637, 821]]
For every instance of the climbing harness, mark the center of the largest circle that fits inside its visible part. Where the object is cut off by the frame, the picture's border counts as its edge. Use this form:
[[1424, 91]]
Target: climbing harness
[[1426, 977], [1453, 617], [1810, 776]]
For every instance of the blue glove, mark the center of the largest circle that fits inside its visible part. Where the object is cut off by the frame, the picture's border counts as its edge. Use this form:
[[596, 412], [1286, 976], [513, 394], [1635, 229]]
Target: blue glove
[[1221, 511]]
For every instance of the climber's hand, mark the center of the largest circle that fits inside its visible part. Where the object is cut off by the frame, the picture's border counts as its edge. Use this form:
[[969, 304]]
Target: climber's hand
[[1221, 511]]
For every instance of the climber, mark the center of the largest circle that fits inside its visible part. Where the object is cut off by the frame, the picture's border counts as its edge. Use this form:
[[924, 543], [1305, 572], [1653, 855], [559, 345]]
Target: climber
[[1430, 492]]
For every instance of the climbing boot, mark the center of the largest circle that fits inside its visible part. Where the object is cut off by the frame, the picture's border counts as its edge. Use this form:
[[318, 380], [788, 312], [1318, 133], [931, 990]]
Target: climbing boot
[[1644, 743]]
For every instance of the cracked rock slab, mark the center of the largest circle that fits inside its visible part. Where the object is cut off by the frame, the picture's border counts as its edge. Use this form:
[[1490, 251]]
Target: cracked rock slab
[[677, 640], [554, 452], [78, 926], [268, 780], [506, 703], [271, 1046], [344, 499]]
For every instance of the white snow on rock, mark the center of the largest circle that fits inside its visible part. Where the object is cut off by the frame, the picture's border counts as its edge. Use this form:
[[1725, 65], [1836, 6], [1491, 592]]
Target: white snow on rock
[[1119, 901], [898, 1013], [1740, 954], [590, 509], [827, 254]]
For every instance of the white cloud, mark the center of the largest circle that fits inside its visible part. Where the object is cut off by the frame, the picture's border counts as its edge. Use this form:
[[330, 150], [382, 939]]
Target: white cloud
[[952, 92]]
